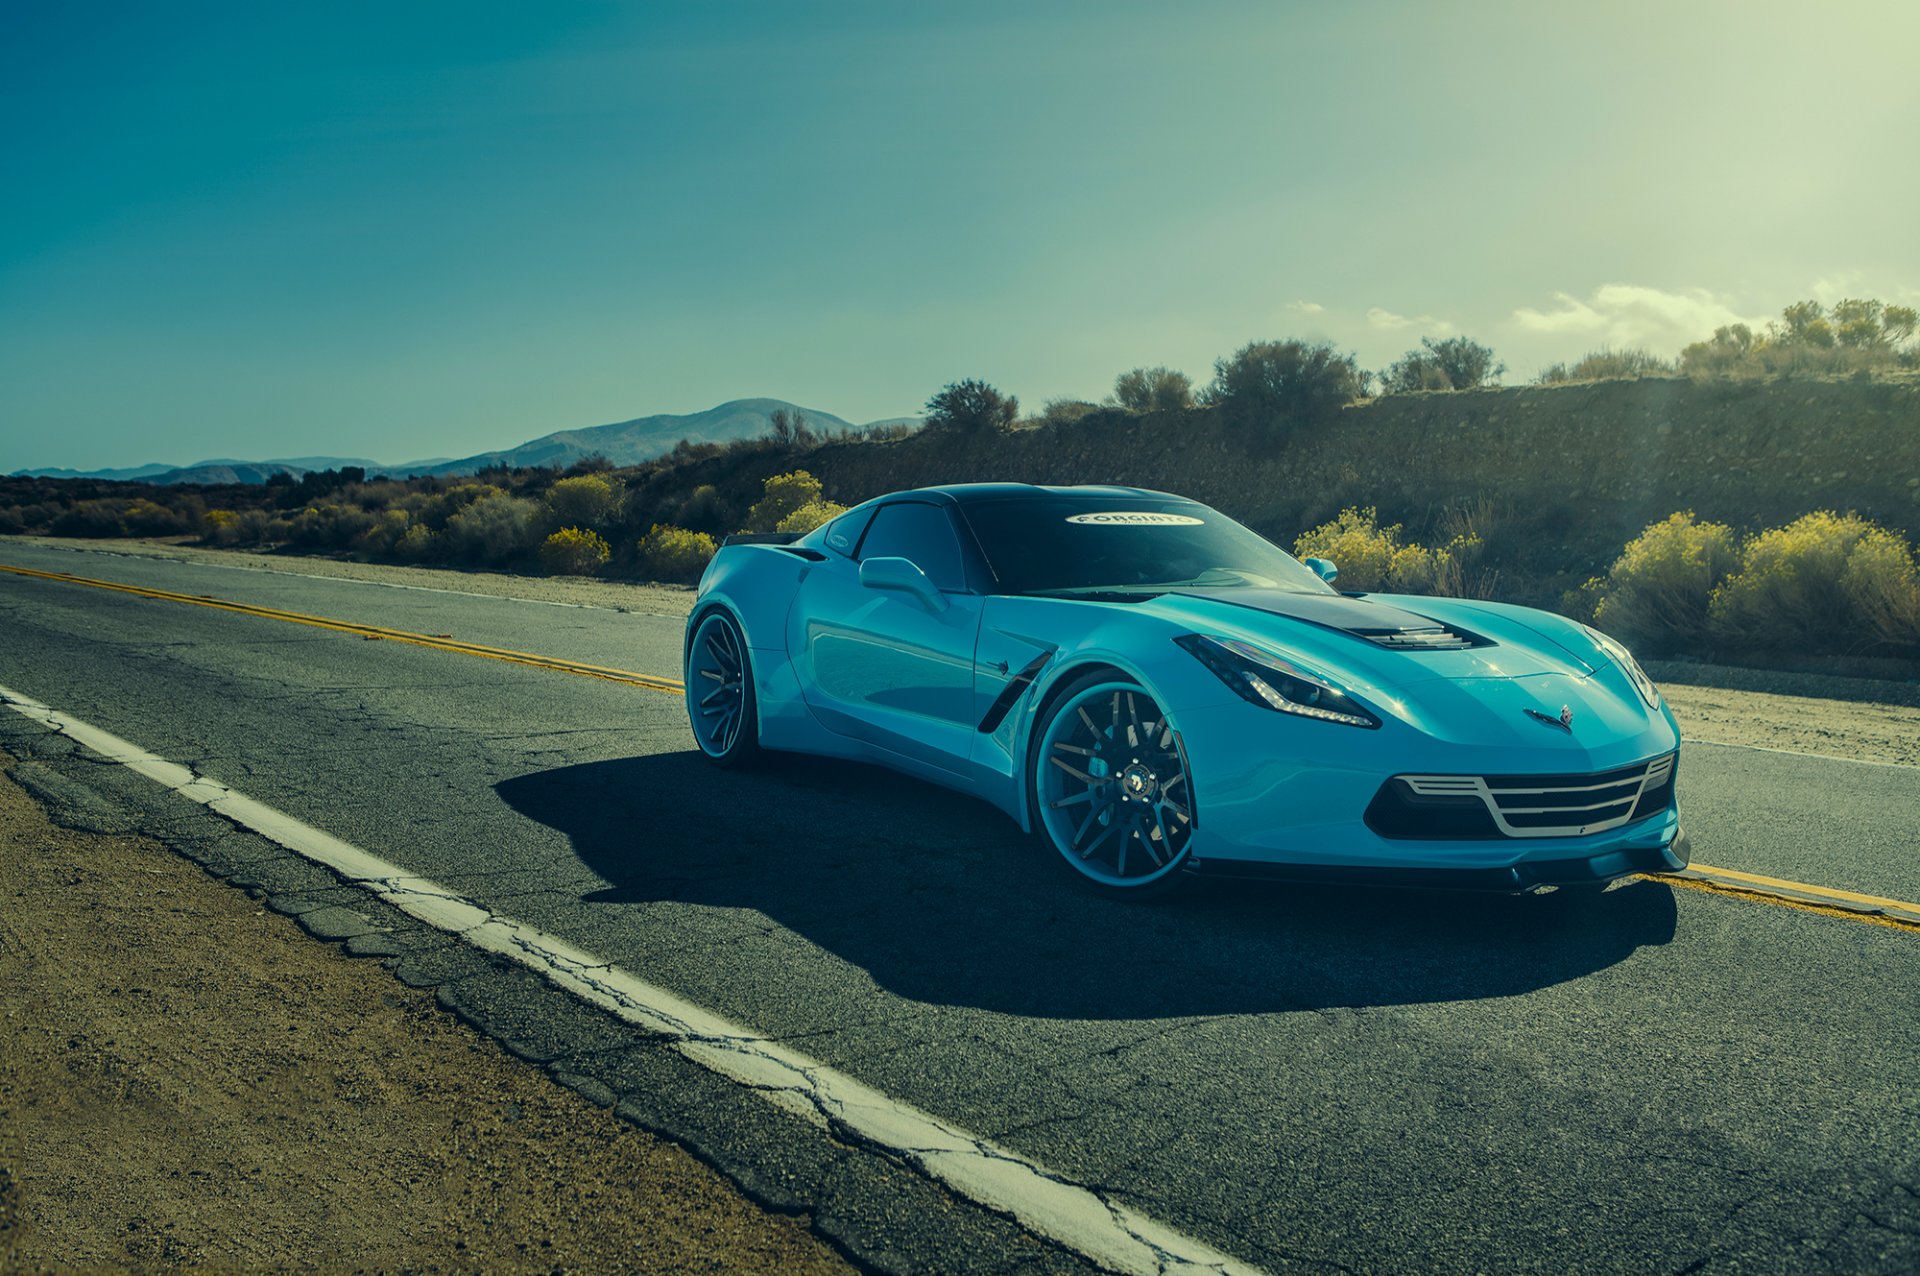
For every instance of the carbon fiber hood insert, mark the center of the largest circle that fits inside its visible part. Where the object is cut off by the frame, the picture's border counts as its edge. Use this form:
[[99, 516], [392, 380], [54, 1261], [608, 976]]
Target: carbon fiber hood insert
[[1381, 624]]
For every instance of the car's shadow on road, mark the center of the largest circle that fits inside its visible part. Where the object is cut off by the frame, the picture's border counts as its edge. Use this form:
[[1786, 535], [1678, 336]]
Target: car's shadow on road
[[942, 900]]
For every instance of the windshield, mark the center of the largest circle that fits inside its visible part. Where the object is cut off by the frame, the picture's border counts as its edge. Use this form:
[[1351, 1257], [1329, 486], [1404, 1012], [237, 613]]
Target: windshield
[[1114, 544]]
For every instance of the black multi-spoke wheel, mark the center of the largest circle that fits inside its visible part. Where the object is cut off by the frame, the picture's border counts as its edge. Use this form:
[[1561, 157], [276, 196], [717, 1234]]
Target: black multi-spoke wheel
[[720, 692], [1110, 789]]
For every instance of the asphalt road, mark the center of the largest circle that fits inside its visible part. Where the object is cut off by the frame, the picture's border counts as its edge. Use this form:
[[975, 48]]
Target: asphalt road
[[1651, 1079]]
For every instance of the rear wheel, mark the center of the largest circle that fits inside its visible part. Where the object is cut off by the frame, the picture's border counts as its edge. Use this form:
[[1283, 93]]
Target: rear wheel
[[1110, 789], [720, 701]]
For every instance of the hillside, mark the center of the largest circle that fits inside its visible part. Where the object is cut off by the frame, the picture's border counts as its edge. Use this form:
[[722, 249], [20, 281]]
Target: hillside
[[642, 439], [211, 473], [623, 443]]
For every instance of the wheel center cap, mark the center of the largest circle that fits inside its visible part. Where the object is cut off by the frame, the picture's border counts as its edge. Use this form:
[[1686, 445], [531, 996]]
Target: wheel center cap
[[1137, 781]]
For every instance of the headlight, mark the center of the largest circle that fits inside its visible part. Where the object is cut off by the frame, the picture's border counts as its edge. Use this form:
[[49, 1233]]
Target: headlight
[[1263, 678], [1624, 658]]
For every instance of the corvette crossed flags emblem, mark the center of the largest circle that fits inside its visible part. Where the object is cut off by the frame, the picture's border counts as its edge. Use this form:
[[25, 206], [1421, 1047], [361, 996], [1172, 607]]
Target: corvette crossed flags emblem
[[1564, 721]]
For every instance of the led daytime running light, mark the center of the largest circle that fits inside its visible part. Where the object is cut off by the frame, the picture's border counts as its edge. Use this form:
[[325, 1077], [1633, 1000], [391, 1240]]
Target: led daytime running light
[[1262, 678]]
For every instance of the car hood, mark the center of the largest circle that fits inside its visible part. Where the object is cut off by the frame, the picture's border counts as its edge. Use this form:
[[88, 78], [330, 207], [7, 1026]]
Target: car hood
[[1374, 642]]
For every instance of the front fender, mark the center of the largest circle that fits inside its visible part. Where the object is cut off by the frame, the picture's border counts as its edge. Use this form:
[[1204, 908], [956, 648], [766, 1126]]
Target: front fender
[[1074, 638]]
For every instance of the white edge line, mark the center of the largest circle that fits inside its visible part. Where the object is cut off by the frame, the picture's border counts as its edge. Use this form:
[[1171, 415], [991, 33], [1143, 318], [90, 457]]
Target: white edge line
[[1801, 753], [1110, 1235]]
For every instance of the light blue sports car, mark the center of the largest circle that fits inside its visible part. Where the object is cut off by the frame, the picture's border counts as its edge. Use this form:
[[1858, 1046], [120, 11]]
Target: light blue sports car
[[1155, 691]]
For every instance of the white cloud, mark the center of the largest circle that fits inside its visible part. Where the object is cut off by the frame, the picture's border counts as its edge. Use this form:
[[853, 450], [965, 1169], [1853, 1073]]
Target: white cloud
[[1831, 288], [1306, 307], [1620, 316], [1388, 321]]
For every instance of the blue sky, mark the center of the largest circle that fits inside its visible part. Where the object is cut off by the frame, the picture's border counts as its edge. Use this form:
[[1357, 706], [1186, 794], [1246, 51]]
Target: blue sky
[[413, 229]]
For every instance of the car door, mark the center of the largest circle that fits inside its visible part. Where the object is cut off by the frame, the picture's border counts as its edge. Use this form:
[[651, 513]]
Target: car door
[[884, 666]]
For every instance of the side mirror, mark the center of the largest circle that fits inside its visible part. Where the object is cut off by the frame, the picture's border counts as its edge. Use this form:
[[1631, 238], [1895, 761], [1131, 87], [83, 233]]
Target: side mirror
[[1324, 569], [902, 576]]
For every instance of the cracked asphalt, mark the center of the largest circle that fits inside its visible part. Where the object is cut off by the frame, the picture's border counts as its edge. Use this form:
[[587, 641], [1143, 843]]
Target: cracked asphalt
[[1646, 1080]]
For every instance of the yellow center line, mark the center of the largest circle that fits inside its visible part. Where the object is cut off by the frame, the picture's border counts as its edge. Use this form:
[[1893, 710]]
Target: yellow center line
[[1761, 895], [670, 686], [1824, 892], [1719, 881]]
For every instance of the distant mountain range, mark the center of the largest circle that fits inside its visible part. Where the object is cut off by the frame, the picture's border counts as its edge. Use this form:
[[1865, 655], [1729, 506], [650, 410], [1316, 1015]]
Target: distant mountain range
[[623, 443]]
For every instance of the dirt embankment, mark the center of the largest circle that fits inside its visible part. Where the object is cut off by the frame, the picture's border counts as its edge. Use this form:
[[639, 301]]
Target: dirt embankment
[[189, 1080]]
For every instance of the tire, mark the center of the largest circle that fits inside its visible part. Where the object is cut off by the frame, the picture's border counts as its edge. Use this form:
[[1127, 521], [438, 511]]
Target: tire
[[721, 707], [1109, 792]]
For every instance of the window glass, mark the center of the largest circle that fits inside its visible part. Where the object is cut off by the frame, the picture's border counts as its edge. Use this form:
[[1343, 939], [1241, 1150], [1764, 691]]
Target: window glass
[[921, 534], [841, 534], [1047, 545]]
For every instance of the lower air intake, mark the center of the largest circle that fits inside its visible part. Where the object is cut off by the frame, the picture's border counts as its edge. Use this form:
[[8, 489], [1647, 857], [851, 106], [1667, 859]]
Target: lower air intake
[[1475, 806]]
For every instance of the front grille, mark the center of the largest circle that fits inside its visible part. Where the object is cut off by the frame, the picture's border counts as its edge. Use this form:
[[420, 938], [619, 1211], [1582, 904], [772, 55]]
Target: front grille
[[1468, 806], [1436, 638]]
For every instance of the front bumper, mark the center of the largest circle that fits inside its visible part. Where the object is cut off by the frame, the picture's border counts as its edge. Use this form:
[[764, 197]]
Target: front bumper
[[1589, 870]]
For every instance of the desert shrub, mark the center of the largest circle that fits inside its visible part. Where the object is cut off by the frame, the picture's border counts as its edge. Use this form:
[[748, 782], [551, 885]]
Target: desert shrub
[[1152, 390], [574, 551], [490, 530], [1583, 602], [589, 500], [90, 518], [236, 527], [1857, 335], [1729, 352], [1417, 370], [40, 515], [1372, 557], [328, 526], [148, 518], [437, 509], [1417, 569], [389, 526], [809, 516], [674, 553], [791, 429], [1883, 587], [1657, 592], [1608, 365], [1356, 544], [1269, 381], [783, 494], [1466, 363], [12, 521], [1454, 363], [702, 510], [416, 544], [970, 407], [1066, 411], [1800, 588]]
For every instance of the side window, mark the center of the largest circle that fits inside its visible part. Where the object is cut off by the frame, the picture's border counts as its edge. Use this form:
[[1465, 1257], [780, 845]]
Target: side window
[[843, 533], [921, 534]]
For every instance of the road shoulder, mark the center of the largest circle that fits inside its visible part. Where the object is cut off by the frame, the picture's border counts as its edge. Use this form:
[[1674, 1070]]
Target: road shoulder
[[188, 1079]]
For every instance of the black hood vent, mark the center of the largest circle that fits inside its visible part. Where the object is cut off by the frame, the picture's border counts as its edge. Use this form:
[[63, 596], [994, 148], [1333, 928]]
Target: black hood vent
[[1432, 638], [1381, 624]]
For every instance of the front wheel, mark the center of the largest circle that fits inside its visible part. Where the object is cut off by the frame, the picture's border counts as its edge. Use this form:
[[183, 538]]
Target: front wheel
[[1110, 789], [720, 700]]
